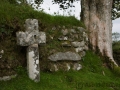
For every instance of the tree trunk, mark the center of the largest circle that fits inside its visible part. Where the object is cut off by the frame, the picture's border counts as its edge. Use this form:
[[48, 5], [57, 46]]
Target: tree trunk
[[96, 15]]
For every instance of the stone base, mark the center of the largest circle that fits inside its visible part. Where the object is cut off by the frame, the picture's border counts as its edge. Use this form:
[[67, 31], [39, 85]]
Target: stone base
[[33, 62]]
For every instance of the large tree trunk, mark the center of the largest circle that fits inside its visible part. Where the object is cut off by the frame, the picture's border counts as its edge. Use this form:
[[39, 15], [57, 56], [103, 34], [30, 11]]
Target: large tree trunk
[[96, 15]]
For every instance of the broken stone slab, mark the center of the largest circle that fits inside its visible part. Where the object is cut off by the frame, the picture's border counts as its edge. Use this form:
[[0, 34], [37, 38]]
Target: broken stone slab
[[72, 56], [33, 62]]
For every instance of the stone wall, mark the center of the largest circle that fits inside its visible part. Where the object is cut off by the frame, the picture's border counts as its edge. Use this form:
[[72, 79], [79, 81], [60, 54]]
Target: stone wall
[[64, 48]]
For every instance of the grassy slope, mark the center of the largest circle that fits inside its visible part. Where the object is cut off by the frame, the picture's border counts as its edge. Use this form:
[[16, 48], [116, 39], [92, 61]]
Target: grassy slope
[[12, 18], [89, 78]]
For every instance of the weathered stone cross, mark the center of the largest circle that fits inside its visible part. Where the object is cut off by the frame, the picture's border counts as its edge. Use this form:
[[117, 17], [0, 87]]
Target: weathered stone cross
[[31, 38]]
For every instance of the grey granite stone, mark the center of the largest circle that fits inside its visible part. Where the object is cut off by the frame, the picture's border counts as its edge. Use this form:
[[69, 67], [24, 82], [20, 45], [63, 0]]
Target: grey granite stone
[[72, 56]]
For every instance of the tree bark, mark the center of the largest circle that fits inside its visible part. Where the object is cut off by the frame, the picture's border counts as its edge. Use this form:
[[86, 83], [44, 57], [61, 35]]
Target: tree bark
[[96, 15]]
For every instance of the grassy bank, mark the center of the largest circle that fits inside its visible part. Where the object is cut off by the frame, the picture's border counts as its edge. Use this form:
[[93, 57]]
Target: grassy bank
[[94, 76], [13, 16]]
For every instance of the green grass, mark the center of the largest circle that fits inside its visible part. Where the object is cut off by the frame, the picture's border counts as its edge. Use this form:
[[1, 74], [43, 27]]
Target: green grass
[[89, 78], [13, 16]]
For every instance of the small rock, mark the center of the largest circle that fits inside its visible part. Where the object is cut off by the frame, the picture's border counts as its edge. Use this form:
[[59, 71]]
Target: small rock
[[53, 67], [0, 56], [64, 32], [86, 47], [68, 67], [63, 38], [81, 29], [82, 54], [52, 51], [63, 27], [77, 66], [72, 31], [51, 37], [79, 49], [78, 44], [84, 34], [86, 38], [5, 78], [2, 51], [71, 40], [53, 28], [66, 44], [76, 36], [103, 73]]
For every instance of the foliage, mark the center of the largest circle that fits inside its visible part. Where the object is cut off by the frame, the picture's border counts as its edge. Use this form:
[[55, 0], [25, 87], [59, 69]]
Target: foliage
[[91, 77], [115, 36], [116, 9], [65, 4]]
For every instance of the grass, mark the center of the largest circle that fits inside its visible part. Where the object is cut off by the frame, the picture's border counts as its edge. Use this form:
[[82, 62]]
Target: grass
[[13, 16], [91, 77]]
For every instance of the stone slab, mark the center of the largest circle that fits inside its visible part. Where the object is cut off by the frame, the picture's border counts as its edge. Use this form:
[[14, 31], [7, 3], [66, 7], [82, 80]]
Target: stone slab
[[72, 56]]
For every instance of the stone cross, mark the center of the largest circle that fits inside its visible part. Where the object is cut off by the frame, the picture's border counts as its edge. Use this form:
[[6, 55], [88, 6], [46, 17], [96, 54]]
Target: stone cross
[[31, 38]]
